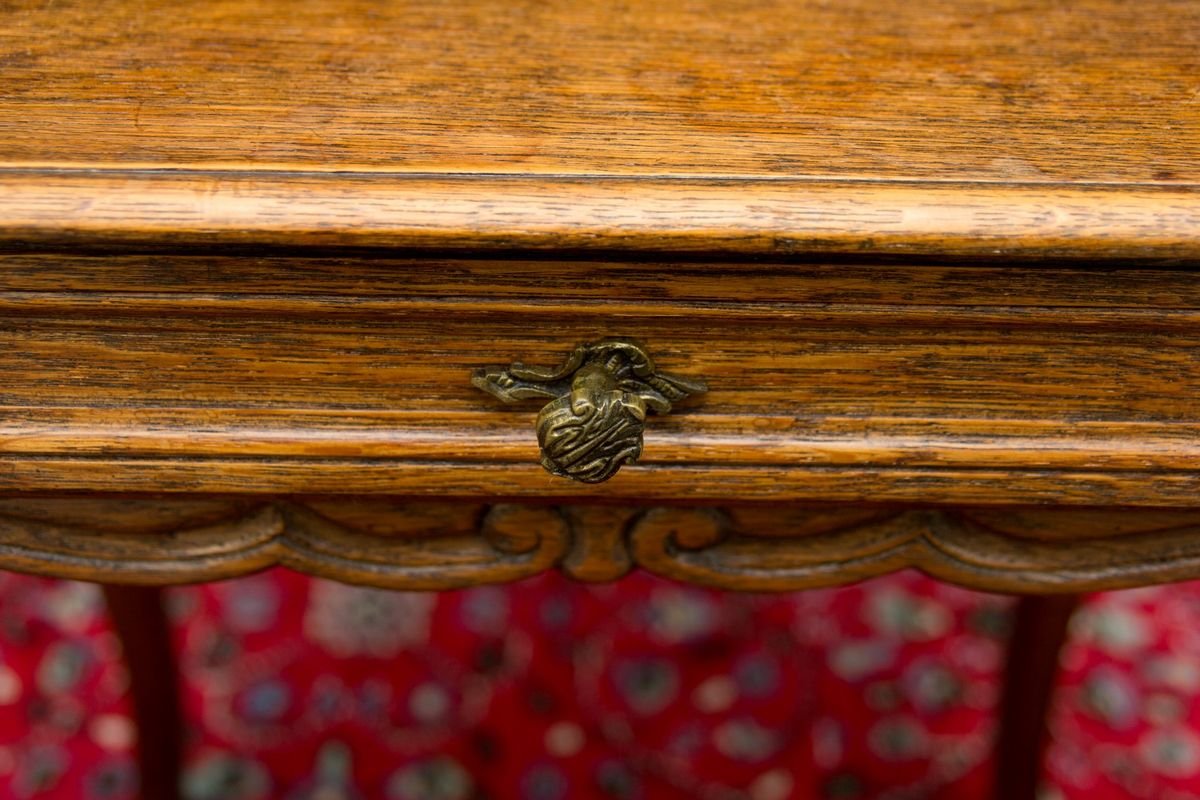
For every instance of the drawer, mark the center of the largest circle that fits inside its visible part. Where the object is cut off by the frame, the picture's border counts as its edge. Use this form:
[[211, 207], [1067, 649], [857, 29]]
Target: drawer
[[936, 383]]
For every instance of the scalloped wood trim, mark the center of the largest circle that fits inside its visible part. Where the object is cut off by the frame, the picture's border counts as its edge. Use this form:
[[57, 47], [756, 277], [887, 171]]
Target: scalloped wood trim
[[431, 546]]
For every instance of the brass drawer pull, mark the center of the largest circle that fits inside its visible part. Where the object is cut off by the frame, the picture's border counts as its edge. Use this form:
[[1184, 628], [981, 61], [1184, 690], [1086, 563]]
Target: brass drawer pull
[[601, 393]]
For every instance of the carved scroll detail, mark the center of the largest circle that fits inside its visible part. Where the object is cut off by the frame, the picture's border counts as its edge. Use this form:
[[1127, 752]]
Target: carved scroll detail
[[414, 545], [503, 546], [948, 545]]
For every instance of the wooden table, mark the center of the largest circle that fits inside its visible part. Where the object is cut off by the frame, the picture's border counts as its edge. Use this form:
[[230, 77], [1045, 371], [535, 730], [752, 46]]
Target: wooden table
[[919, 276]]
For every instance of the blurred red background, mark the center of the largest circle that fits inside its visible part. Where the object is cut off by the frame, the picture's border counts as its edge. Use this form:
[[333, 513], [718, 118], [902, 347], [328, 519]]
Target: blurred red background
[[301, 688]]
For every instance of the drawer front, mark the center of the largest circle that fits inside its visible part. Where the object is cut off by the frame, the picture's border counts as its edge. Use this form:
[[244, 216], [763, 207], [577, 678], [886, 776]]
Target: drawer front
[[963, 384]]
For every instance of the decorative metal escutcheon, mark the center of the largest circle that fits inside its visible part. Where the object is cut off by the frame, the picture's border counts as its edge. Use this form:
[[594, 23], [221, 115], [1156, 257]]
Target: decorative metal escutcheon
[[594, 423]]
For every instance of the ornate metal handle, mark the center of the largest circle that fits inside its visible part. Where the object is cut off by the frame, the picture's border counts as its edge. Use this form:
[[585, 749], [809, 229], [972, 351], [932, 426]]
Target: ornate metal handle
[[601, 394]]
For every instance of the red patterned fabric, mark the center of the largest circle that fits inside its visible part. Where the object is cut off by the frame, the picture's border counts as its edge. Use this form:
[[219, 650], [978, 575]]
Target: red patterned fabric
[[307, 689]]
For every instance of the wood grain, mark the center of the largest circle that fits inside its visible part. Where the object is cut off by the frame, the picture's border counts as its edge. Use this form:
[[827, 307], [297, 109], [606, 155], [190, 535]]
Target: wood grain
[[864, 127], [909, 383], [372, 284], [732, 218], [404, 544], [1097, 91], [922, 253]]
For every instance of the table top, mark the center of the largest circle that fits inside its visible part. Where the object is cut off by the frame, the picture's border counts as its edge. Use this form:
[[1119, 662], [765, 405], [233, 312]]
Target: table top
[[257, 253], [953, 126], [1102, 91]]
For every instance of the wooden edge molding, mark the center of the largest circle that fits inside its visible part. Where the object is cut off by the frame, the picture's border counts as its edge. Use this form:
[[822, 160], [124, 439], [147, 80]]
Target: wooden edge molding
[[736, 216], [645, 482], [756, 439], [434, 546]]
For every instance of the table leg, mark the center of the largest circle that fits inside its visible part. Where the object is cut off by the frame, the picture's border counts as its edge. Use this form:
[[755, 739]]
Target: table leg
[[140, 620], [1039, 630]]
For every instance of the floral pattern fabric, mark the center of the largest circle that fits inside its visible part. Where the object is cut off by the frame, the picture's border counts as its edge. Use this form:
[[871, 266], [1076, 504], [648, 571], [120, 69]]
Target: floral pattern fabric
[[306, 689]]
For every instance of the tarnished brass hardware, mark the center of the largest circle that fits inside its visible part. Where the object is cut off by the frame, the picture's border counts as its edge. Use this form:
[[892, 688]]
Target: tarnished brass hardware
[[594, 423]]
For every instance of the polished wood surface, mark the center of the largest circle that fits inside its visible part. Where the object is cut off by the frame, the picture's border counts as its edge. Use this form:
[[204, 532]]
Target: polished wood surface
[[217, 275], [935, 261], [863, 127], [842, 382], [173, 211], [1092, 92]]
